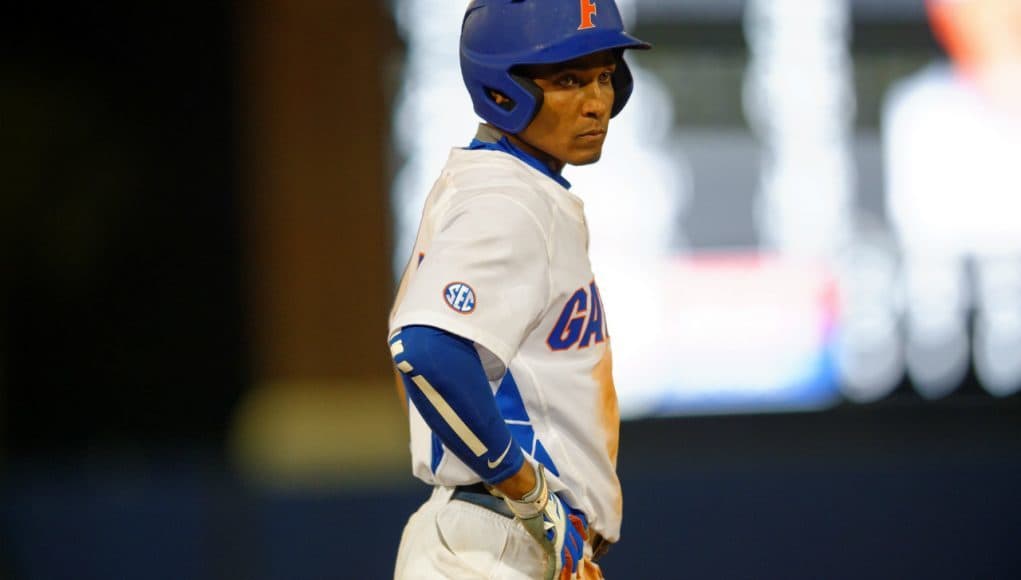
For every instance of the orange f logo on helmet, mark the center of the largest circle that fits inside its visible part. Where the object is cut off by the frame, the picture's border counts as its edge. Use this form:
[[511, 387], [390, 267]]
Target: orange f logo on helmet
[[588, 10]]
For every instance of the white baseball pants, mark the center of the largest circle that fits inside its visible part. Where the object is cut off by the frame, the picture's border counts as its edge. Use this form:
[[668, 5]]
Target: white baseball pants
[[455, 540]]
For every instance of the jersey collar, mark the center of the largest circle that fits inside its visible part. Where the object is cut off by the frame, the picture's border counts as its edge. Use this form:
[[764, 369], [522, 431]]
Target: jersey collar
[[489, 139]]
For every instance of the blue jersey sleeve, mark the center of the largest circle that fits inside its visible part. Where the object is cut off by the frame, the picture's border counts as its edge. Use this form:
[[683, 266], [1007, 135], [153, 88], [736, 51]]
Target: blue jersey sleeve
[[446, 382]]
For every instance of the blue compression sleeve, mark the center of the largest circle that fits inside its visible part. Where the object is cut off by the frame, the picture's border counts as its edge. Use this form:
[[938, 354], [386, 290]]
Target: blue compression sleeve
[[444, 378]]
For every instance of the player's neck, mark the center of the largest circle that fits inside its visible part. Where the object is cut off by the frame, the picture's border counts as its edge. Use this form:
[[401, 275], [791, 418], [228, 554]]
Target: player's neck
[[555, 165]]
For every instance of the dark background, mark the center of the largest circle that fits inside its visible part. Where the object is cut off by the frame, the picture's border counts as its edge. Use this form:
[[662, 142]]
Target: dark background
[[122, 296], [144, 198]]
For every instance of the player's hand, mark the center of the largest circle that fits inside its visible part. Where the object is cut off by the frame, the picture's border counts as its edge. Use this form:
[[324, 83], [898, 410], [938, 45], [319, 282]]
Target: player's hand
[[561, 533], [559, 530], [573, 549]]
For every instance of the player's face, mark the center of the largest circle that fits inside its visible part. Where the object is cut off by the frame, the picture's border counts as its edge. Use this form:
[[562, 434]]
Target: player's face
[[578, 96]]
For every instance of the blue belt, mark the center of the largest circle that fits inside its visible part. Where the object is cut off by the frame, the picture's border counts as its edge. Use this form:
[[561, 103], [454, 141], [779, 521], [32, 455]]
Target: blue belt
[[478, 494]]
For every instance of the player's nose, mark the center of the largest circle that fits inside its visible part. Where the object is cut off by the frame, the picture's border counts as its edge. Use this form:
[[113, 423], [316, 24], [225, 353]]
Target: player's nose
[[597, 100]]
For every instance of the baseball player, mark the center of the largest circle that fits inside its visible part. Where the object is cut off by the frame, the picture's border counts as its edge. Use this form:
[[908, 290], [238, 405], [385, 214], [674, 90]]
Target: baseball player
[[498, 330]]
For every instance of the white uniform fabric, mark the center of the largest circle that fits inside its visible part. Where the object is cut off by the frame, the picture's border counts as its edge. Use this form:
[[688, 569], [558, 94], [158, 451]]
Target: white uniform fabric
[[455, 539], [519, 241]]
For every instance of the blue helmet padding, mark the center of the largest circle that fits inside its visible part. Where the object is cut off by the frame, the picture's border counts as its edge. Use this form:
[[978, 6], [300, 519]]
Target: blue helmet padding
[[498, 35]]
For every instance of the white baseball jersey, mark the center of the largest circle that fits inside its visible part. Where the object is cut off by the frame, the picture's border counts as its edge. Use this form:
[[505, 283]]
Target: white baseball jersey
[[501, 259]]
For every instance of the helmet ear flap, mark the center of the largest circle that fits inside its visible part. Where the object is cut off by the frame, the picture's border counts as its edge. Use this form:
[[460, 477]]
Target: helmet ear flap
[[523, 97], [536, 96], [623, 84]]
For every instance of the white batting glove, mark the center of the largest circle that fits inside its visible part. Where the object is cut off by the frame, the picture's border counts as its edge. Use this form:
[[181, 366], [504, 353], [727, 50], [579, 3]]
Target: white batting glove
[[547, 519]]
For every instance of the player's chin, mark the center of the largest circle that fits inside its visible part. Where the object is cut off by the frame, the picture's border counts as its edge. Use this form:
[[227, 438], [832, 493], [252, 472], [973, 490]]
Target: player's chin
[[586, 156]]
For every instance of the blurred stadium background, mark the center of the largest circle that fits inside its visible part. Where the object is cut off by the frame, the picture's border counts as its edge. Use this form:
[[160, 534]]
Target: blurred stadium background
[[806, 225]]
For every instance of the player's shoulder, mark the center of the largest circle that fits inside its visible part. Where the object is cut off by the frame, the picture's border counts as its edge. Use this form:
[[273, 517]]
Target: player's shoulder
[[493, 171], [495, 179]]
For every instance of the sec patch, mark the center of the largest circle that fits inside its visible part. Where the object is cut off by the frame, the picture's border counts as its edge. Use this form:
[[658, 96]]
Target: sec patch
[[459, 297]]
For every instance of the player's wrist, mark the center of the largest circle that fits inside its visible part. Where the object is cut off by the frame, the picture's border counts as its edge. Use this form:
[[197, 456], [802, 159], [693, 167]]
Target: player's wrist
[[533, 501], [519, 483]]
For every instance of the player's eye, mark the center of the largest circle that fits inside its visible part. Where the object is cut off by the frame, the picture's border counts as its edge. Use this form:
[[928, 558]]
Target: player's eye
[[606, 77], [568, 81]]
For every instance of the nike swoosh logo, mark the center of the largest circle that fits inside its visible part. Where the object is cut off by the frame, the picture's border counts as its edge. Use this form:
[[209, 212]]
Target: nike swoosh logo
[[493, 464]]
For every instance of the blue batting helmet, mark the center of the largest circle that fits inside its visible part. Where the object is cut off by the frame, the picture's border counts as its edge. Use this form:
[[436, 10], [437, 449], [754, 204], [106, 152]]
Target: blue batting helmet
[[498, 35]]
